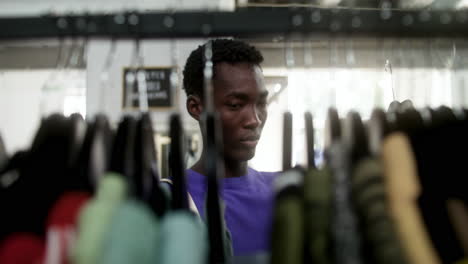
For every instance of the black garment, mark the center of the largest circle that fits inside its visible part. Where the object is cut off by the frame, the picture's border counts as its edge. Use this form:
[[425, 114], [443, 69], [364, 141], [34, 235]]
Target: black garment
[[344, 228], [440, 166], [380, 243]]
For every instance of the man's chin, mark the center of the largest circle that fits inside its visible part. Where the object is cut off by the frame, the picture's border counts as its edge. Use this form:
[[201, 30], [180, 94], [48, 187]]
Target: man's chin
[[248, 155], [245, 155]]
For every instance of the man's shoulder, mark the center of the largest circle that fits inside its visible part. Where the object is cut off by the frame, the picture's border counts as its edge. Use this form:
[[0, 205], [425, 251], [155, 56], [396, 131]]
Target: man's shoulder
[[266, 173], [266, 176]]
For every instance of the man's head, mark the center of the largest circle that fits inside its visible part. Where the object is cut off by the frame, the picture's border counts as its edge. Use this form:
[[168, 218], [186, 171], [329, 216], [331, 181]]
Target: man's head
[[239, 94]]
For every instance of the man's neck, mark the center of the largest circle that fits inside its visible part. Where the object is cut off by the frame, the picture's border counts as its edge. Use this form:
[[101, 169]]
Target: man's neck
[[231, 168]]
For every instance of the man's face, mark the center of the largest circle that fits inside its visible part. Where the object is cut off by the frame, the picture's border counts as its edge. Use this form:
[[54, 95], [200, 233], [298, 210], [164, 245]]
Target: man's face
[[240, 99]]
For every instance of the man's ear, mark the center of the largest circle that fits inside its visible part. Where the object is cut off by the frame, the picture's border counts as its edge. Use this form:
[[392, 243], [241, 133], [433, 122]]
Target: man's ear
[[194, 106]]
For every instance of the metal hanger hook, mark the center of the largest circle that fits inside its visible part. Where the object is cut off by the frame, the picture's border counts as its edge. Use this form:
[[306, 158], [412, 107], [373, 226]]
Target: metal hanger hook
[[140, 78], [104, 77], [289, 53], [208, 76]]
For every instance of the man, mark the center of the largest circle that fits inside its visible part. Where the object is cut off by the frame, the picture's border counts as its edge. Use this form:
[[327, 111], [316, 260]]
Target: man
[[240, 99]]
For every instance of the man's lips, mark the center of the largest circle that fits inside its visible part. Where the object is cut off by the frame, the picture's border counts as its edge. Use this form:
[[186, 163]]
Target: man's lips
[[251, 138], [250, 141]]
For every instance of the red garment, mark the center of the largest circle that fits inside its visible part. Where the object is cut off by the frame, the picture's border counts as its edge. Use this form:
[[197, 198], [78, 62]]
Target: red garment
[[22, 248], [61, 226], [66, 210]]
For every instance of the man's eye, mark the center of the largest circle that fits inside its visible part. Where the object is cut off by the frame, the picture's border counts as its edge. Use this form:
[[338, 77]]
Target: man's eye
[[234, 106]]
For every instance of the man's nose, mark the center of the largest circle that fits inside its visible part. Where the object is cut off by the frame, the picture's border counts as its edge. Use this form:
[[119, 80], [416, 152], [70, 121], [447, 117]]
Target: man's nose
[[253, 118]]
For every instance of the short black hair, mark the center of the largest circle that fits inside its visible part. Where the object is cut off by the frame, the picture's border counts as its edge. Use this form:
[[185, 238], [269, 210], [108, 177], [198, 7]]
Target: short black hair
[[224, 50]]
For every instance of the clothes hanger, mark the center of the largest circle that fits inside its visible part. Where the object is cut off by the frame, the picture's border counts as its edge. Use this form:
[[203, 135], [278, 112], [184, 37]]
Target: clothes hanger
[[355, 137], [213, 166], [104, 77], [95, 154], [308, 118], [146, 177], [123, 149], [77, 127], [410, 121], [426, 111], [392, 117], [332, 123], [125, 146], [287, 141], [144, 160], [94, 157], [395, 105], [309, 130], [287, 116], [354, 133], [378, 125], [442, 116], [377, 129], [177, 166], [332, 127], [177, 147]]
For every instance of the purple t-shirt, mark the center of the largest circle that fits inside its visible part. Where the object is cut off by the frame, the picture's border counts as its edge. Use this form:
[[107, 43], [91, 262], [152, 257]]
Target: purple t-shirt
[[249, 203]]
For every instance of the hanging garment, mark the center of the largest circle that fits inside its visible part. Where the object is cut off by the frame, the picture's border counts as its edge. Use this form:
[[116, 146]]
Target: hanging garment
[[22, 248], [345, 230], [228, 251], [43, 176], [191, 203], [95, 218], [458, 213], [440, 167], [403, 189], [381, 245], [261, 258], [61, 226], [93, 158], [183, 239], [248, 200], [132, 236], [317, 215], [287, 238]]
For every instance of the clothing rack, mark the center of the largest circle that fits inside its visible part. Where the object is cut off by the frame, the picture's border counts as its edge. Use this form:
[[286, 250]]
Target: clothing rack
[[244, 22]]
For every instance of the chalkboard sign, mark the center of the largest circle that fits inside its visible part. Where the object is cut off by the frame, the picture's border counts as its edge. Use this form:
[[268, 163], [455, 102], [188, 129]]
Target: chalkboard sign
[[158, 87]]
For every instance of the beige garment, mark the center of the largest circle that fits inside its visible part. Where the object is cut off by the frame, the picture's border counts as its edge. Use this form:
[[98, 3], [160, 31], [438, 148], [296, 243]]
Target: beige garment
[[403, 189]]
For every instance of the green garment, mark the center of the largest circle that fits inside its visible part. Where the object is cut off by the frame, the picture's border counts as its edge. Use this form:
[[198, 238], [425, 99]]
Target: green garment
[[183, 239], [95, 218], [369, 195], [133, 235], [317, 213], [288, 220]]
